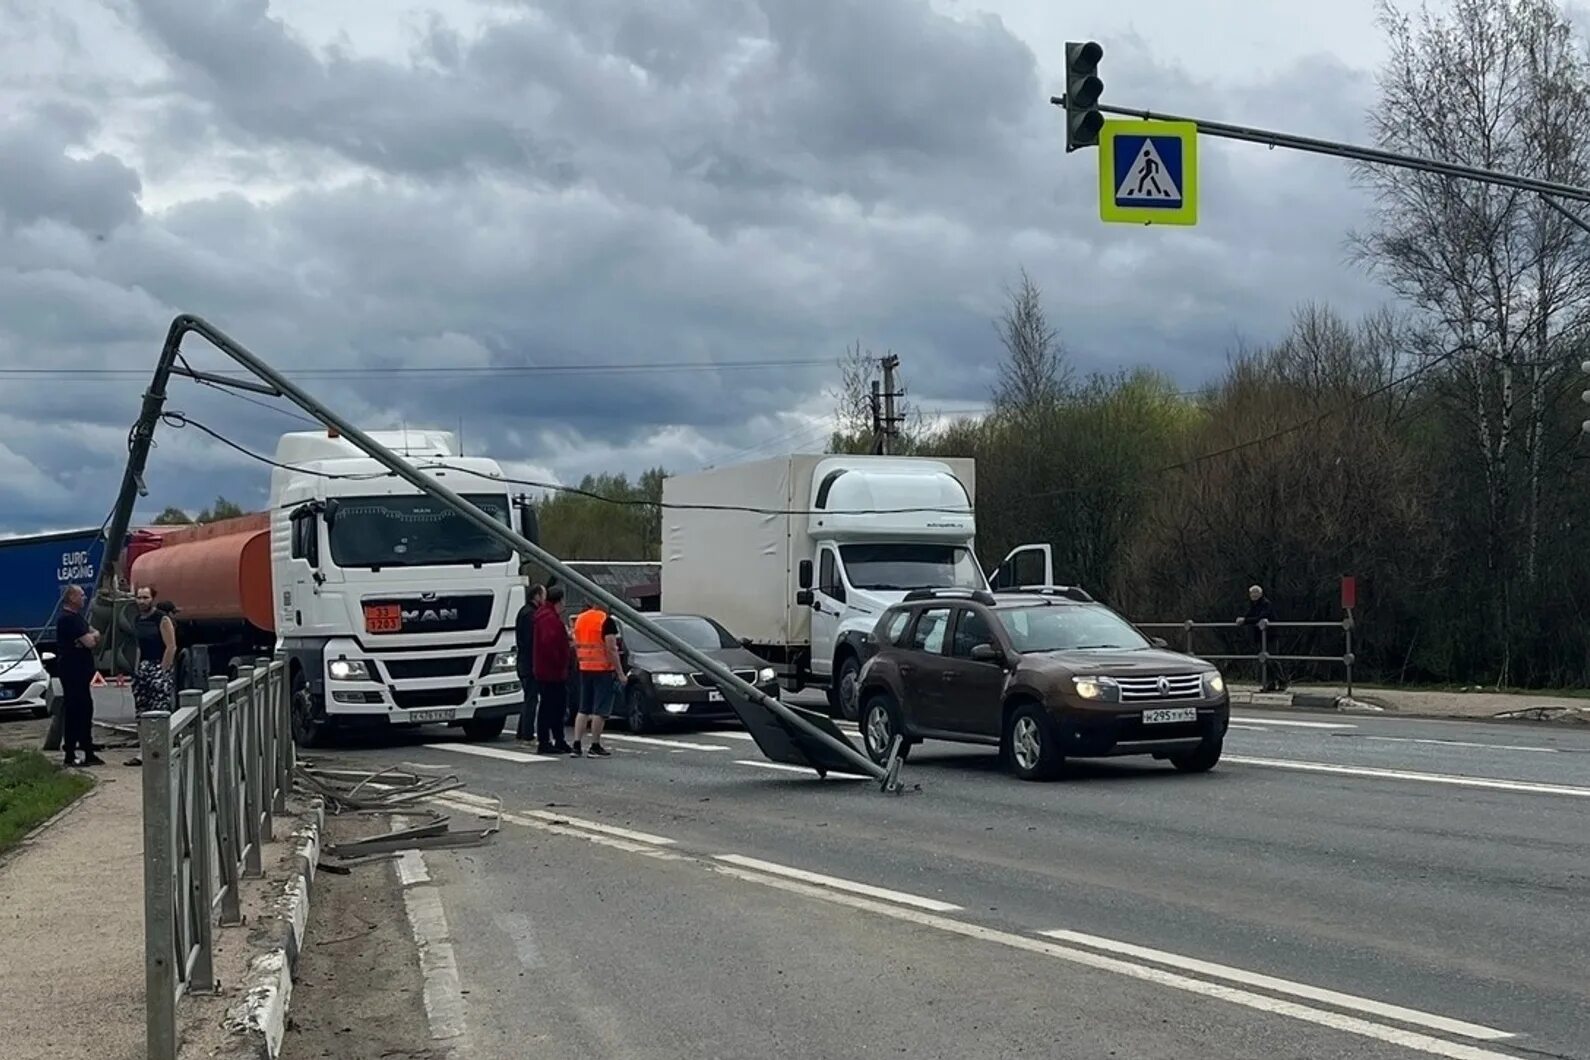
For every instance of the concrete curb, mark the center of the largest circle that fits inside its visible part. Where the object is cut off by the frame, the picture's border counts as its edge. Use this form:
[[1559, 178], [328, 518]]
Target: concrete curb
[[258, 1021]]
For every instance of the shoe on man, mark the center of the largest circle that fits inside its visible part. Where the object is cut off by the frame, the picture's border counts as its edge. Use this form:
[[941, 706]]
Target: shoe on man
[[598, 751], [577, 751], [92, 759]]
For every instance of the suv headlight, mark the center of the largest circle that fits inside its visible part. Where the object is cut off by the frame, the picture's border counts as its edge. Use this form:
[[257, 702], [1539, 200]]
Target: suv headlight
[[766, 675], [349, 670], [669, 680], [1214, 682], [504, 662], [1103, 689]]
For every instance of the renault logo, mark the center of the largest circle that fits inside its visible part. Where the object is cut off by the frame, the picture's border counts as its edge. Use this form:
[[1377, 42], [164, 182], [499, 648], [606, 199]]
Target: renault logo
[[1164, 686]]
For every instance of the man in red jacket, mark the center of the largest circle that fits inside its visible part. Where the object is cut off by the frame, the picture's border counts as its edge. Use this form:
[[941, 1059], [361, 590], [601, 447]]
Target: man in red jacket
[[551, 662]]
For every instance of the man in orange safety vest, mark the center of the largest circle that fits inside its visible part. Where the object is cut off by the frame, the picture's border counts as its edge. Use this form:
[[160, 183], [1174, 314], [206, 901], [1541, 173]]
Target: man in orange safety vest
[[602, 677]]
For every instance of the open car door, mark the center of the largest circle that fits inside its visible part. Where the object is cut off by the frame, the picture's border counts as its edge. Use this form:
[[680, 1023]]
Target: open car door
[[1027, 566]]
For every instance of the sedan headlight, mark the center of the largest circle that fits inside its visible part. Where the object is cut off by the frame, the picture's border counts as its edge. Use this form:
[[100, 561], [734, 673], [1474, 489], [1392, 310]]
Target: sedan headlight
[[1103, 689], [669, 680], [1214, 682], [766, 675], [504, 662], [349, 670]]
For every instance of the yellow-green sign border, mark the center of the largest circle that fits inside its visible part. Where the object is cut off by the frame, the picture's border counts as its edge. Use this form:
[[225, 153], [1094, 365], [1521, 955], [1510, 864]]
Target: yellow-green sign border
[[1187, 212]]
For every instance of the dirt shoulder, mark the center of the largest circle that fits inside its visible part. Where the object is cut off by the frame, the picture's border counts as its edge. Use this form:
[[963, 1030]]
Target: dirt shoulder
[[359, 994], [1410, 703]]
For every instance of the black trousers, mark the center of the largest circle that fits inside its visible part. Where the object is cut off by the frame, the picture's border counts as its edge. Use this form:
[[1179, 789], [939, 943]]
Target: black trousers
[[549, 718], [77, 716], [527, 715]]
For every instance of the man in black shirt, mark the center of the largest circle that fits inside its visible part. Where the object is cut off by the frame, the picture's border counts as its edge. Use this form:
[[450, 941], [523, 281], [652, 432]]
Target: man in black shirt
[[524, 643], [75, 641]]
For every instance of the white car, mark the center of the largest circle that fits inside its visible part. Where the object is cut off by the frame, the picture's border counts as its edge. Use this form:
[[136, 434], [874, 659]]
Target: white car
[[24, 683]]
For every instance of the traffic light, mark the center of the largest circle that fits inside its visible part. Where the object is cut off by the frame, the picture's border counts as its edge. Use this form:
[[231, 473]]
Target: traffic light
[[1083, 88]]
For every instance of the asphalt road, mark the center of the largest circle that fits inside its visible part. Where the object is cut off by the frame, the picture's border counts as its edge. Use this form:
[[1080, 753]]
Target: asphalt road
[[1332, 868]]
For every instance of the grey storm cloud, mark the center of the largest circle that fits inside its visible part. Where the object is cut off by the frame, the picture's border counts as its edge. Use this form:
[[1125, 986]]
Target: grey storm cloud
[[602, 182]]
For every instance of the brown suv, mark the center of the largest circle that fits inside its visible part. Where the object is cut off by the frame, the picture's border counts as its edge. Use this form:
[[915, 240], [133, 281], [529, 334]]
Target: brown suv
[[1044, 675]]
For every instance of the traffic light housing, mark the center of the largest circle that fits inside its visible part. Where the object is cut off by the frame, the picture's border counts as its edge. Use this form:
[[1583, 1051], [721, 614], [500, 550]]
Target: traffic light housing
[[1083, 89]]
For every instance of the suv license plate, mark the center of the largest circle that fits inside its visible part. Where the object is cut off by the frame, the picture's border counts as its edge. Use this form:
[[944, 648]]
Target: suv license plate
[[1170, 715], [429, 715]]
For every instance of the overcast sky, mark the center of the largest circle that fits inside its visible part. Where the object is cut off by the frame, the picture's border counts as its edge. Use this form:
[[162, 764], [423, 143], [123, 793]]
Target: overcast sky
[[434, 183]]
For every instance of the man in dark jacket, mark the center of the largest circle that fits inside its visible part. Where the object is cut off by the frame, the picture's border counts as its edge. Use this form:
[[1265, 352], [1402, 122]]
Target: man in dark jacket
[[75, 642], [553, 657], [524, 645], [1261, 613]]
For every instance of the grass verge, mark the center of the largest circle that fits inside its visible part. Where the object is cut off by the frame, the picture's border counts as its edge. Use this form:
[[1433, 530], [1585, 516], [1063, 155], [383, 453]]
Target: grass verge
[[32, 790]]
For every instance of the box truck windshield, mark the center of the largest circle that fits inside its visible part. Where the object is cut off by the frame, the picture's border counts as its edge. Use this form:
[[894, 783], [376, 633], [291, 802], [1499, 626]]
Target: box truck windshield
[[413, 532], [900, 566]]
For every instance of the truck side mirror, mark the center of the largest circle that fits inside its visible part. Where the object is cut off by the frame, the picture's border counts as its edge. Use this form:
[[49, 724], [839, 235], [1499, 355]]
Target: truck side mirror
[[803, 574], [804, 598], [529, 523]]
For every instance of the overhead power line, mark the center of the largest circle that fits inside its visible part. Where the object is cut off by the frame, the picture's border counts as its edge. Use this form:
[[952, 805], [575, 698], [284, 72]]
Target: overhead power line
[[89, 374]]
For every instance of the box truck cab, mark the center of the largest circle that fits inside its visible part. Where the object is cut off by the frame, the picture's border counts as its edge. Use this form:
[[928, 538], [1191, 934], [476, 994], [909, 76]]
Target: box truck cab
[[390, 606], [800, 555]]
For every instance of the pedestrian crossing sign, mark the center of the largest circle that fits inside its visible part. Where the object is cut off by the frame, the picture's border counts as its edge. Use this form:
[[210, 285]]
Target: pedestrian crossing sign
[[1148, 172]]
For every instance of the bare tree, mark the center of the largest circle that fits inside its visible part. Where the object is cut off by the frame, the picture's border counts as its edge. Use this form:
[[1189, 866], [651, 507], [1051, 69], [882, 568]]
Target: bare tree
[[853, 420], [1035, 376]]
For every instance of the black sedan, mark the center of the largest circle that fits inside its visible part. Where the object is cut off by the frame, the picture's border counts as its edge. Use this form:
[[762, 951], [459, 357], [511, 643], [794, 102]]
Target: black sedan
[[664, 688]]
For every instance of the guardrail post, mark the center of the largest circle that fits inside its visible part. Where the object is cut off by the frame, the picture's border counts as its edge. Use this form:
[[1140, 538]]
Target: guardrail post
[[264, 762], [1347, 654], [287, 751], [200, 826], [248, 780], [160, 900], [1187, 632], [1264, 654], [226, 834]]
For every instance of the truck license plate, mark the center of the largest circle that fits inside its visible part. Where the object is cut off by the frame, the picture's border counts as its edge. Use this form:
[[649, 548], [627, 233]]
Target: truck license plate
[[1169, 715], [430, 715], [383, 618]]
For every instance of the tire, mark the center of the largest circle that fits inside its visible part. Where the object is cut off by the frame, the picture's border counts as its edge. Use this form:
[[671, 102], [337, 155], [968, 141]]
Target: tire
[[1031, 744], [41, 712], [879, 726], [479, 730], [1200, 759], [635, 713], [308, 730], [845, 694]]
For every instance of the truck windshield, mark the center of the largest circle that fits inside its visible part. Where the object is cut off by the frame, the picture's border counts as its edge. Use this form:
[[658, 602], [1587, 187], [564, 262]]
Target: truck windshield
[[1069, 627], [902, 566], [414, 532]]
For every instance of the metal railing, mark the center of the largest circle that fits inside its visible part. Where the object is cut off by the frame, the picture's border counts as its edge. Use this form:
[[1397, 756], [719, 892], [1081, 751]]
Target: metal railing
[[1263, 657], [216, 771]]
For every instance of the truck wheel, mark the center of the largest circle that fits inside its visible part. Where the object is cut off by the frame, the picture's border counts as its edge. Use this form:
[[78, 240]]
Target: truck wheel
[[844, 694], [308, 730], [635, 712], [479, 730]]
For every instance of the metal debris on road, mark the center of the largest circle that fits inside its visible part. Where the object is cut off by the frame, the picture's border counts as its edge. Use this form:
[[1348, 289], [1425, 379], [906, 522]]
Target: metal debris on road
[[386, 791]]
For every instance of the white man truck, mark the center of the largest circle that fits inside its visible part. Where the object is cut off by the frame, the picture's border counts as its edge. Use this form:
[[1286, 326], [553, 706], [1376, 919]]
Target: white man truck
[[392, 608], [799, 555]]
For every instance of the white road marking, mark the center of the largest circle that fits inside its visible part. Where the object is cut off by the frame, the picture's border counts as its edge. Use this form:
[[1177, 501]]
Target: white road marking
[[933, 905], [785, 768], [654, 741], [1464, 743], [1368, 1006], [1275, 1006], [487, 751], [443, 992], [597, 826], [1288, 723], [1526, 787], [728, 735], [1249, 728], [626, 845]]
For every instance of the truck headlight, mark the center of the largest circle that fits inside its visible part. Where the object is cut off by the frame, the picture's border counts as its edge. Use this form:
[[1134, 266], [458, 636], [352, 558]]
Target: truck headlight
[[349, 670], [1100, 688], [669, 680], [1214, 682], [766, 675], [504, 662]]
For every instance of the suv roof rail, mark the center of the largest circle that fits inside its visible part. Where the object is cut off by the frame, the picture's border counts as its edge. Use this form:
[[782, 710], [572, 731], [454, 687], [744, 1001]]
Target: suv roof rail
[[1070, 592], [980, 596]]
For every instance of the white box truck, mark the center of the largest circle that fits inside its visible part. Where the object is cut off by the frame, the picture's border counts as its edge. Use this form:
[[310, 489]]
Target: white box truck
[[799, 555]]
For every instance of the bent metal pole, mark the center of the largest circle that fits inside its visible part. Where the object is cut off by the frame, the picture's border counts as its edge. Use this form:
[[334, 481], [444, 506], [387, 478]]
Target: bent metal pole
[[386, 458]]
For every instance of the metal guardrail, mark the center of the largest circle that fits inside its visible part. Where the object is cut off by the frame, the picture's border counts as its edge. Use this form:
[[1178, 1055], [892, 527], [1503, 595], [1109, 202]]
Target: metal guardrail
[[216, 771], [1264, 657]]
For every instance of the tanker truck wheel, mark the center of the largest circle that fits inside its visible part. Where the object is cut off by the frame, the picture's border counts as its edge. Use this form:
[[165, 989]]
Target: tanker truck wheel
[[308, 730]]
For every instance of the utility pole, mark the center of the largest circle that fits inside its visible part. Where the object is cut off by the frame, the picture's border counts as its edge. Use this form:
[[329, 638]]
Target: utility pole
[[891, 422], [877, 419]]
